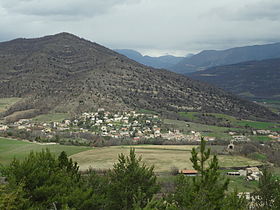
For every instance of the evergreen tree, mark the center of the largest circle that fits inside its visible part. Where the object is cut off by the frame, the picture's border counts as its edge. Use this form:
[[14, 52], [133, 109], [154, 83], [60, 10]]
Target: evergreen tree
[[12, 199], [131, 182], [268, 194], [48, 182], [206, 191]]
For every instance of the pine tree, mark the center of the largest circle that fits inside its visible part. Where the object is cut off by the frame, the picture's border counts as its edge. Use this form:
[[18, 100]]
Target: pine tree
[[206, 191], [131, 182], [268, 194]]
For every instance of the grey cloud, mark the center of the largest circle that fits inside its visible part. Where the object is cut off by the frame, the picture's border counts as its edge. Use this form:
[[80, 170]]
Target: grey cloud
[[159, 26], [268, 9], [61, 8], [250, 11]]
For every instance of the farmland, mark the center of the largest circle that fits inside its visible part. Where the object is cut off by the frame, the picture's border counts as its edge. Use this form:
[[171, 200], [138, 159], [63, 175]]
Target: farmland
[[163, 157]]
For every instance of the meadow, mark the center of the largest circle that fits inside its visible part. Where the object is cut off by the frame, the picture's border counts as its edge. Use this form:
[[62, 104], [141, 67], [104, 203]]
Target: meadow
[[236, 124], [10, 149], [51, 117]]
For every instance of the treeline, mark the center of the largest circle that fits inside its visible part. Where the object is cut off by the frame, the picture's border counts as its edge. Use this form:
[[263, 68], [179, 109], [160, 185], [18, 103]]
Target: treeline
[[42, 181]]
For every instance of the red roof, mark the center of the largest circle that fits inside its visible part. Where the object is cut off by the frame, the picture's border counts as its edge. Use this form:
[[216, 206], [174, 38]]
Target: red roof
[[188, 171]]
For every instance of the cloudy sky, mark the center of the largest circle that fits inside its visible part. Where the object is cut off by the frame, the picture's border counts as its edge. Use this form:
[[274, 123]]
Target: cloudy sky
[[154, 27]]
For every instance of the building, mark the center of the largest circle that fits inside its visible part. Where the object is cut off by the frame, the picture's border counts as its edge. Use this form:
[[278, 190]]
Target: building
[[189, 172], [233, 173], [253, 173]]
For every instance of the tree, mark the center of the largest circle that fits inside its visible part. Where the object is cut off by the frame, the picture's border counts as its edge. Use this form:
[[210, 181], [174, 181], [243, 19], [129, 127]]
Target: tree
[[206, 191], [46, 181], [268, 194], [12, 199], [131, 182]]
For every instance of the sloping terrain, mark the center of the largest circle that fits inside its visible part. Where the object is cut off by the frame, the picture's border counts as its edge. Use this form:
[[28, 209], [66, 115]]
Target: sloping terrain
[[65, 73], [211, 58], [254, 79]]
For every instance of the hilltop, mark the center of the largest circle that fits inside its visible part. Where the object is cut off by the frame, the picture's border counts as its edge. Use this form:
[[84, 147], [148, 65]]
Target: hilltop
[[65, 73]]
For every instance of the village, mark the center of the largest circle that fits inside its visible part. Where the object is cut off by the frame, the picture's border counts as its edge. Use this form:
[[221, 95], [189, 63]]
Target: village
[[108, 124], [116, 125]]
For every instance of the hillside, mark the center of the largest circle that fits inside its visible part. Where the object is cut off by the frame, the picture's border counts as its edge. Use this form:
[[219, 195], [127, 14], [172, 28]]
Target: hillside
[[64, 73], [254, 79], [211, 58], [162, 62]]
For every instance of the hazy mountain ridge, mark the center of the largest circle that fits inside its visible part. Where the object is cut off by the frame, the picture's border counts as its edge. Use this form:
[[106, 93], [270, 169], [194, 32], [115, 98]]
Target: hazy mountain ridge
[[162, 62], [211, 58], [68, 74], [253, 79]]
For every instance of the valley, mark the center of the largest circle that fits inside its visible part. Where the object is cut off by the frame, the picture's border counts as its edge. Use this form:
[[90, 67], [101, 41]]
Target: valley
[[95, 104]]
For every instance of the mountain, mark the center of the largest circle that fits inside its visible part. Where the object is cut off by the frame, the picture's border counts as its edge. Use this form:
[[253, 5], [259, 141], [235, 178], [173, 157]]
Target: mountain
[[65, 73], [211, 58], [162, 62], [252, 79]]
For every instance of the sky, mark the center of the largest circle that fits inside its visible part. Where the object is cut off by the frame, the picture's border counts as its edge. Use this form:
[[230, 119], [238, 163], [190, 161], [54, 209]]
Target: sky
[[153, 27]]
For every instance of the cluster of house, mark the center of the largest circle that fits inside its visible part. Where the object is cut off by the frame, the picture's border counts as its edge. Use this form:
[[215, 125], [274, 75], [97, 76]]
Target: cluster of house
[[242, 138], [130, 124], [251, 173], [271, 134], [3, 127], [238, 138], [120, 124], [193, 136], [116, 125]]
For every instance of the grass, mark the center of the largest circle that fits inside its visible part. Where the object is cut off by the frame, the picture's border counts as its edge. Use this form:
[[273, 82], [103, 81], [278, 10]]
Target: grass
[[234, 122], [52, 117], [260, 125], [5, 103], [206, 130], [189, 115], [260, 138], [163, 157], [10, 148], [258, 156], [241, 185], [146, 111]]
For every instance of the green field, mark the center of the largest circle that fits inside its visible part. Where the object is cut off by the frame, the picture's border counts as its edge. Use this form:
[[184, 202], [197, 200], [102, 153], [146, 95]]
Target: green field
[[5, 103], [10, 148], [206, 130], [233, 121], [163, 157], [52, 117], [260, 125]]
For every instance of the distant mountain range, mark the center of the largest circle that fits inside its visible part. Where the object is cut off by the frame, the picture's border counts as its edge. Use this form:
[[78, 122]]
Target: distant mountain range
[[252, 79], [207, 58], [211, 58], [65, 73], [162, 62]]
